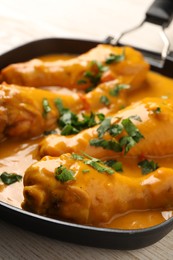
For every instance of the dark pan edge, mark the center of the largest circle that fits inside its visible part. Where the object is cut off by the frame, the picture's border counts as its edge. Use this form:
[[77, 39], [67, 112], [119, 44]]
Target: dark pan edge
[[74, 46], [84, 235], [45, 46]]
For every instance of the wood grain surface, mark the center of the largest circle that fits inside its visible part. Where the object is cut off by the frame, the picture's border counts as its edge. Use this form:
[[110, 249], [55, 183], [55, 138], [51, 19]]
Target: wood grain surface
[[22, 21]]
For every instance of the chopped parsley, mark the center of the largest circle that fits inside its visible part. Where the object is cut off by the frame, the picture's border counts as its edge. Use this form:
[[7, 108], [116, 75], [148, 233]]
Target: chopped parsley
[[124, 143], [85, 171], [95, 163], [104, 126], [50, 132], [148, 166], [98, 165], [114, 58], [93, 76], [108, 145], [69, 130], [136, 117], [115, 130], [10, 178], [127, 142], [101, 116], [116, 90], [117, 166], [46, 107], [76, 156], [105, 100], [132, 130], [157, 110], [70, 123], [63, 174], [81, 81]]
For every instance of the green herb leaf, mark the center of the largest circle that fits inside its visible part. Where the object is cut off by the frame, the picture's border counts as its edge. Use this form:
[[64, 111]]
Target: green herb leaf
[[104, 100], [108, 145], [157, 110], [101, 117], [115, 130], [46, 107], [69, 130], [92, 158], [99, 166], [81, 81], [63, 174], [113, 58], [70, 123], [132, 130], [93, 76], [136, 117], [99, 66], [126, 143], [117, 166], [50, 132], [60, 107], [77, 156], [10, 178], [104, 126], [116, 90], [148, 166], [85, 171]]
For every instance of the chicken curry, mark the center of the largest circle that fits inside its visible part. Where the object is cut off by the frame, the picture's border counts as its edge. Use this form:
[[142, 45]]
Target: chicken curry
[[88, 139]]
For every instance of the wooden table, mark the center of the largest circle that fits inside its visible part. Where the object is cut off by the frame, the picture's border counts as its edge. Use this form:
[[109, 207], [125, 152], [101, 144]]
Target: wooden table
[[22, 21]]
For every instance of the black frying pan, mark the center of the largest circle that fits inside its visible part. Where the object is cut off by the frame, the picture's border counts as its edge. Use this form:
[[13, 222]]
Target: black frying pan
[[86, 235]]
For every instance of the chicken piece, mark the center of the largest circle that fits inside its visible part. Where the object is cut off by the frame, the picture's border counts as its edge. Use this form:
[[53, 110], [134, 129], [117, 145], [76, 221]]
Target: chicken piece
[[83, 72], [74, 190], [143, 129], [23, 114], [21, 108], [108, 97]]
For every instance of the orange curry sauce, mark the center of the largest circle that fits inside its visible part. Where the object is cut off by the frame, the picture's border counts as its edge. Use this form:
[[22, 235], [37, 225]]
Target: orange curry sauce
[[16, 156]]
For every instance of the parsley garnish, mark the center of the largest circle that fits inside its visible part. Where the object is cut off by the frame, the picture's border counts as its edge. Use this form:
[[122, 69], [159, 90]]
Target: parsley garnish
[[114, 58], [46, 107], [98, 165], [115, 130], [124, 143], [50, 132], [93, 76], [157, 110], [85, 171], [81, 81], [108, 145], [105, 100], [95, 163], [117, 166], [77, 156], [148, 166], [127, 142], [69, 130], [10, 178], [63, 174], [70, 123], [104, 126], [136, 117], [101, 117], [116, 90], [132, 130]]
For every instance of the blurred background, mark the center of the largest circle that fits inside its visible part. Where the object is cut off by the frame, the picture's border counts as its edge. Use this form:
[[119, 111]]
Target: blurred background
[[22, 21]]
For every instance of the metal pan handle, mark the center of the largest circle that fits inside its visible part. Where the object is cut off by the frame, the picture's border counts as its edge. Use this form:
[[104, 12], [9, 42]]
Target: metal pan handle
[[160, 12]]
